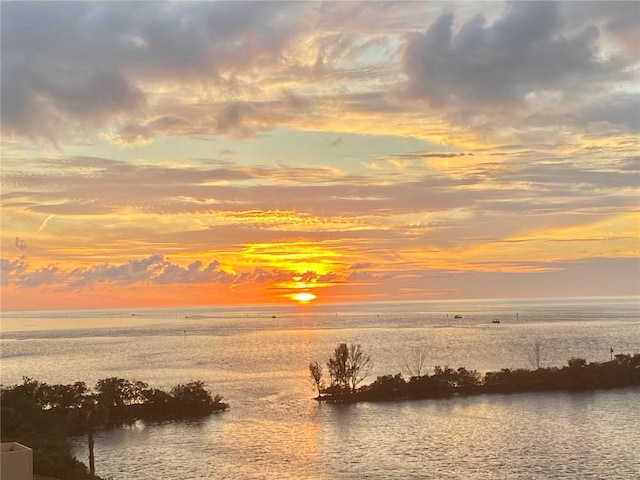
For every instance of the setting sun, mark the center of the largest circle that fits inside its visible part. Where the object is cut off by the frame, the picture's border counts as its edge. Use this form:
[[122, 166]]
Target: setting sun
[[304, 297]]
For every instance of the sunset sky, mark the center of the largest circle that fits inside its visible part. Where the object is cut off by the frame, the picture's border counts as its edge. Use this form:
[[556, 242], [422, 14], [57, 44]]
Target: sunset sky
[[239, 153]]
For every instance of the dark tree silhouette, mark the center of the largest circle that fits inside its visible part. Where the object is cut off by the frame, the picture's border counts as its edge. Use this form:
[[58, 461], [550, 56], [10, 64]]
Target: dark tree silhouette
[[192, 399], [66, 396], [414, 363], [358, 367], [536, 355], [337, 366], [43, 416], [117, 392], [316, 371], [93, 416], [349, 366], [576, 362], [578, 374], [29, 418]]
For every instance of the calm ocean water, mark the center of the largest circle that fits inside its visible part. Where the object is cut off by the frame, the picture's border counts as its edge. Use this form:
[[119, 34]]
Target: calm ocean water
[[257, 359]]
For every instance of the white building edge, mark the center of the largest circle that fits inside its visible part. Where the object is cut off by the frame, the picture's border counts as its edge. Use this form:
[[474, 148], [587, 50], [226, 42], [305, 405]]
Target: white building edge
[[16, 462]]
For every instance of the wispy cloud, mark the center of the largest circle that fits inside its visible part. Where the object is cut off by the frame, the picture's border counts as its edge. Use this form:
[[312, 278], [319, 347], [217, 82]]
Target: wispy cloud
[[44, 224]]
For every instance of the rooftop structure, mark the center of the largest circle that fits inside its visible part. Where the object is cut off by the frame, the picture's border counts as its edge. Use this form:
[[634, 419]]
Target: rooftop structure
[[16, 462]]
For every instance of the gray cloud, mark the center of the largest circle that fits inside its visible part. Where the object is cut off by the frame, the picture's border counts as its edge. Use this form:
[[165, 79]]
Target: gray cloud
[[38, 99], [72, 61], [76, 66], [154, 269], [133, 271], [621, 110], [525, 51], [9, 271], [359, 266], [260, 275], [232, 119], [195, 272], [20, 244], [17, 273], [618, 19]]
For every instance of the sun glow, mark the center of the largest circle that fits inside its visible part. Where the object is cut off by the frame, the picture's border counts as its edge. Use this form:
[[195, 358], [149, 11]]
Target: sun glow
[[303, 297], [299, 256]]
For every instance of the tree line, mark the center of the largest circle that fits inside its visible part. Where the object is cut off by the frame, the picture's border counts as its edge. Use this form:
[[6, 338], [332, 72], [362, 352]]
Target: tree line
[[43, 416], [349, 366]]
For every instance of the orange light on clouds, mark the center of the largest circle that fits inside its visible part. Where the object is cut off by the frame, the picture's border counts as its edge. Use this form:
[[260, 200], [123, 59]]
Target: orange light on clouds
[[298, 256]]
